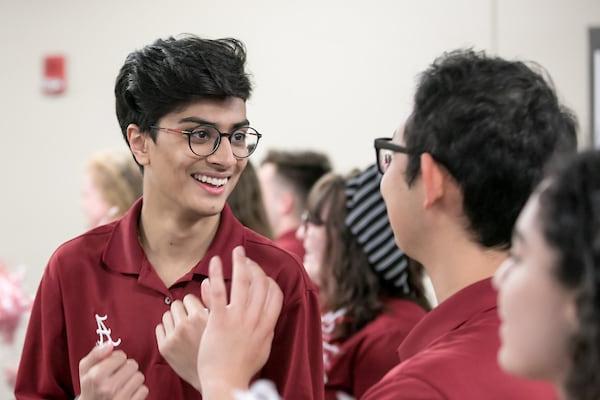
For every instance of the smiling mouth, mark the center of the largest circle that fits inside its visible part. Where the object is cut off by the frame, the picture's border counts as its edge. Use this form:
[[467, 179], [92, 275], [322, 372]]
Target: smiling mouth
[[216, 182]]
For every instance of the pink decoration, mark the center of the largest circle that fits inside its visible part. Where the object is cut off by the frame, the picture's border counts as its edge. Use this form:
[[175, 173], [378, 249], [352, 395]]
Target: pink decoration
[[13, 303]]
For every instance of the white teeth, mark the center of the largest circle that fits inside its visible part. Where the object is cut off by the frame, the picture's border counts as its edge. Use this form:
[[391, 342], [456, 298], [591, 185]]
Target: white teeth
[[209, 179]]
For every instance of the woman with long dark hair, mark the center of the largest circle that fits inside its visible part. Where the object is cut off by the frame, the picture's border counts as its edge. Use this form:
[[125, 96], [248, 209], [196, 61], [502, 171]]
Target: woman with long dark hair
[[370, 292], [549, 288]]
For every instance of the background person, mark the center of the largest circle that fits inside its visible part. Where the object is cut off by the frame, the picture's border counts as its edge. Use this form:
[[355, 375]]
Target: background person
[[112, 183], [370, 293], [551, 284], [247, 204], [286, 177]]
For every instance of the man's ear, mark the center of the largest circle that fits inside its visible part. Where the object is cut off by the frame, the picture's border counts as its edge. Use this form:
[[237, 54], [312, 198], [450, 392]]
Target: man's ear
[[433, 180], [138, 143]]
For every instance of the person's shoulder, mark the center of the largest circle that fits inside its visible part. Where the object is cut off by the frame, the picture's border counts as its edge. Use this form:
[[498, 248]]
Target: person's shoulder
[[399, 383], [401, 313], [394, 322], [281, 265], [81, 249], [458, 358], [462, 364]]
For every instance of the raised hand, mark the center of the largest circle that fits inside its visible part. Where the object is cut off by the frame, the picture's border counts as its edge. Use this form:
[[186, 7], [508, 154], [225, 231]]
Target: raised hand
[[237, 339]]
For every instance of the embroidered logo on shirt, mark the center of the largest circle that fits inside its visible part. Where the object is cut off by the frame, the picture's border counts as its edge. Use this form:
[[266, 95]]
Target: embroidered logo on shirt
[[104, 332]]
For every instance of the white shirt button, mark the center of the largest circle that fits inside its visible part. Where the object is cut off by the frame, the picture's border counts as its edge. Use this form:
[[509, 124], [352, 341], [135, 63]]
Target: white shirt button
[[168, 301]]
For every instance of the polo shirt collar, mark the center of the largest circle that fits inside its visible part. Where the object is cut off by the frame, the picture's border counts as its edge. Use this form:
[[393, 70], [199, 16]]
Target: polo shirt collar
[[459, 308], [124, 254]]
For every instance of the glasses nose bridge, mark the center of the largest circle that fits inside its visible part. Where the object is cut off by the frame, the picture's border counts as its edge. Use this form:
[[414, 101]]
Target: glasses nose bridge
[[217, 147]]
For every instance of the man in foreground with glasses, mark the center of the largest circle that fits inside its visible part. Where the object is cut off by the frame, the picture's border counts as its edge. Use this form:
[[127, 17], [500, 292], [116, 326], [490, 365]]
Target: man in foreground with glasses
[[455, 178], [118, 314]]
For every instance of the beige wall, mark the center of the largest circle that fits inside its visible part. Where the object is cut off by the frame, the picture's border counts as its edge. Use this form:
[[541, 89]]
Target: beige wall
[[329, 74]]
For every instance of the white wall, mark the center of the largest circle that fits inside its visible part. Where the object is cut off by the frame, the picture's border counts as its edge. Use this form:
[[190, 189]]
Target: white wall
[[329, 74]]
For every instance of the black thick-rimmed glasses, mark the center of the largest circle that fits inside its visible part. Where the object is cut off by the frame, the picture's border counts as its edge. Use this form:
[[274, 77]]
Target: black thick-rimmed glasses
[[384, 150], [204, 140]]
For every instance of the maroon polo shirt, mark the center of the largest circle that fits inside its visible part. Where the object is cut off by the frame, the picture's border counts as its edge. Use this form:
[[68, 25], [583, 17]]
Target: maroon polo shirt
[[451, 354], [354, 365], [291, 243], [102, 281]]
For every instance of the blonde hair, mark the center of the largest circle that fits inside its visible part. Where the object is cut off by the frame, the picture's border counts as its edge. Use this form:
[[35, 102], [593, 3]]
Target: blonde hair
[[117, 177]]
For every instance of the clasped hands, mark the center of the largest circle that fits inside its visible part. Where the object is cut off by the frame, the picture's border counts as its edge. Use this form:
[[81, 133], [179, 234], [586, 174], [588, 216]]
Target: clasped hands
[[214, 345]]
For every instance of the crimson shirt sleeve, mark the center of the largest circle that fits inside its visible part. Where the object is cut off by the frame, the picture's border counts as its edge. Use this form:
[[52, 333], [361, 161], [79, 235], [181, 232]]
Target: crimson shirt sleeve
[[44, 367], [296, 361], [403, 387]]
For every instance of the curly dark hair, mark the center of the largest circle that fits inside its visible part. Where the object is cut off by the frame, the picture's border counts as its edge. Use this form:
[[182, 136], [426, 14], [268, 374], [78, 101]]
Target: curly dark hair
[[171, 73], [570, 219], [348, 281], [493, 124]]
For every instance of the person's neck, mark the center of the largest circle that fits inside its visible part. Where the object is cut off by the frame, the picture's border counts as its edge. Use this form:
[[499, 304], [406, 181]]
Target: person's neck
[[285, 224], [454, 261], [174, 241]]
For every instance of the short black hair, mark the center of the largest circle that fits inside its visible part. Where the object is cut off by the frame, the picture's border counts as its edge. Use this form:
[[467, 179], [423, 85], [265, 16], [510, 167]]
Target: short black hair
[[569, 215], [171, 73], [300, 169], [493, 124]]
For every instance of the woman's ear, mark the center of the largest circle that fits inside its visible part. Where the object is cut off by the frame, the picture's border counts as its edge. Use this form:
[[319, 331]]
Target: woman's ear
[[138, 143]]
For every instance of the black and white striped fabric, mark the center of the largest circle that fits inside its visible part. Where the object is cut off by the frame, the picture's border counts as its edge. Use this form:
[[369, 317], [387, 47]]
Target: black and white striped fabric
[[368, 221]]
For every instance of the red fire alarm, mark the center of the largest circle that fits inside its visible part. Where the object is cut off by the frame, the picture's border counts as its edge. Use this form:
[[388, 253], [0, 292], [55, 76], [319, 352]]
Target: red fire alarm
[[54, 80]]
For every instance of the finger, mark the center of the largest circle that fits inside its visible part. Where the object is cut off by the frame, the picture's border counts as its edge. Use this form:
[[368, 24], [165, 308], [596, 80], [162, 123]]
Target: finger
[[193, 304], [178, 312], [217, 291], [141, 393], [240, 282], [97, 354], [205, 292], [272, 308], [254, 268], [130, 387], [257, 296], [159, 331], [124, 373], [168, 324], [108, 366]]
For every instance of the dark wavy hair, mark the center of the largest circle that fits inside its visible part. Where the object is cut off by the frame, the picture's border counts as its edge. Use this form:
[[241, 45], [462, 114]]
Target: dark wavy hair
[[171, 73], [247, 204], [570, 219], [347, 280], [493, 124]]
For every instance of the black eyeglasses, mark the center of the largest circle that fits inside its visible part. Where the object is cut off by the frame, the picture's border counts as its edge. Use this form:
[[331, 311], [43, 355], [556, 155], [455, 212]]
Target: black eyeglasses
[[204, 140], [384, 150]]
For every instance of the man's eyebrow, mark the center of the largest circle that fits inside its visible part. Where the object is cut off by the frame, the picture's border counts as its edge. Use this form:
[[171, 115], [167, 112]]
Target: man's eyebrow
[[201, 121]]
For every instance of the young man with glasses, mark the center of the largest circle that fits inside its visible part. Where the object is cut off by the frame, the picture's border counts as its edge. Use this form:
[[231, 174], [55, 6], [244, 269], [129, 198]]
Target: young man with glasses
[[455, 178], [112, 317]]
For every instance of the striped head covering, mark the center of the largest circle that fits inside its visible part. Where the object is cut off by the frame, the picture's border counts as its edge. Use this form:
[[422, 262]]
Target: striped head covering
[[368, 221]]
